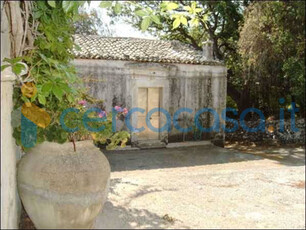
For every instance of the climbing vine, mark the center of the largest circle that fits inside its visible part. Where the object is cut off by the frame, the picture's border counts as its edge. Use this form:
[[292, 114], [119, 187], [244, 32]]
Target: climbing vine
[[45, 75]]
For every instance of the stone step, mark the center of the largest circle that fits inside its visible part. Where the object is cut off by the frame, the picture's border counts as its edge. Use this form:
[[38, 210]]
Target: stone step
[[151, 144], [188, 144]]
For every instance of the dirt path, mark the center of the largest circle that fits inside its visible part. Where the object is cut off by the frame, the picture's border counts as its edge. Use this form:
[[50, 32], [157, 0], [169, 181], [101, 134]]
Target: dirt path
[[203, 187]]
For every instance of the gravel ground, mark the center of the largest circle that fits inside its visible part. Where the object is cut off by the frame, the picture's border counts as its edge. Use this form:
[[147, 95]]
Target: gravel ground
[[204, 187]]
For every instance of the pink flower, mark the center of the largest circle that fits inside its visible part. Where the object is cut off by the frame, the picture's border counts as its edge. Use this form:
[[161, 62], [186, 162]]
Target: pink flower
[[102, 114], [118, 109], [125, 111], [82, 102]]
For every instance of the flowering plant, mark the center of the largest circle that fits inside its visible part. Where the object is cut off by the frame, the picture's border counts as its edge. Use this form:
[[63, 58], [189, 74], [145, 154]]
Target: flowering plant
[[111, 136], [93, 122], [47, 83]]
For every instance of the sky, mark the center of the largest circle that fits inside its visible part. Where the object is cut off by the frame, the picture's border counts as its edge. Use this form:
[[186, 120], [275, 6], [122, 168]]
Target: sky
[[121, 29]]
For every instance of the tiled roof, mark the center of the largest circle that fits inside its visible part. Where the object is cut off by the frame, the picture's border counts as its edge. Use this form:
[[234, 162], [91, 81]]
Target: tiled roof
[[137, 49]]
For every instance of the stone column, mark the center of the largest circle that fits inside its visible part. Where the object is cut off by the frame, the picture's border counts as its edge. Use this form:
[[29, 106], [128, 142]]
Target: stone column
[[207, 48], [217, 138], [10, 203]]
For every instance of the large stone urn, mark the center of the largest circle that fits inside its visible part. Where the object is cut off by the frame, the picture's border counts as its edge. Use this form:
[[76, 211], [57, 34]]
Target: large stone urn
[[60, 188]]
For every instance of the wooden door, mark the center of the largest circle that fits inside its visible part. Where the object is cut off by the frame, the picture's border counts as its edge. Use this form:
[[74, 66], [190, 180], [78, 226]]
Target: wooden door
[[148, 99]]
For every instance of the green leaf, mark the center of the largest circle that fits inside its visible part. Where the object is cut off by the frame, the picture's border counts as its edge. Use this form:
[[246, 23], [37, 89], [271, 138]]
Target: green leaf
[[141, 13], [145, 23], [42, 99], [176, 23], [172, 6], [52, 3], [34, 98], [67, 6], [193, 5], [184, 20], [176, 15], [205, 17], [65, 87], [205, 24], [194, 22], [163, 6], [193, 8], [37, 14], [198, 10], [155, 19], [58, 92], [3, 67], [105, 4], [44, 58], [46, 88], [70, 98], [18, 68], [25, 99], [117, 8], [188, 8], [13, 60]]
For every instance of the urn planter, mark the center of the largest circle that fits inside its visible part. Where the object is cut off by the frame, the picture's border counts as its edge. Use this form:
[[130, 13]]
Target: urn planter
[[60, 188]]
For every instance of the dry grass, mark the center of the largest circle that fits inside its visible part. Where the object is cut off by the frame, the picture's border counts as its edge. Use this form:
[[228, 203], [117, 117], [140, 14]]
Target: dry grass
[[228, 185], [299, 184], [169, 218]]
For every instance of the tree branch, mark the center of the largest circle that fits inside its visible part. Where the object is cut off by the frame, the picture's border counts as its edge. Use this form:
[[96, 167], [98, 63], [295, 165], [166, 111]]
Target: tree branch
[[193, 41], [214, 38]]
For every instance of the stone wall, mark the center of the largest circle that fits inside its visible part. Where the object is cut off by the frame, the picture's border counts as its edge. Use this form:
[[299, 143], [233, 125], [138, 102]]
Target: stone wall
[[272, 133], [10, 203], [192, 86]]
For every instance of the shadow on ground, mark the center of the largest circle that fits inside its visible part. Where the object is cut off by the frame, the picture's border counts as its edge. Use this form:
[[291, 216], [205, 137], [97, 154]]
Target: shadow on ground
[[200, 155], [224, 196], [174, 157], [285, 155], [128, 218], [123, 217]]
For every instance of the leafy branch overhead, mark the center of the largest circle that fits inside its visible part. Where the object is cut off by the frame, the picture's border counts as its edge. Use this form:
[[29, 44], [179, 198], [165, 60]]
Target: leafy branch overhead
[[261, 43], [46, 77], [180, 15]]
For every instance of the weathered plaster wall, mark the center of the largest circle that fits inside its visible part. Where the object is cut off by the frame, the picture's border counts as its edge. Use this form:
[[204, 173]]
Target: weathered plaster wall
[[105, 80], [10, 203], [192, 86]]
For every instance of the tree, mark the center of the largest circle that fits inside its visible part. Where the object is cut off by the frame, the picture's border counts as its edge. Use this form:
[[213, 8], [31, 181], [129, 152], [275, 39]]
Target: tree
[[267, 64], [90, 23], [272, 45], [193, 23]]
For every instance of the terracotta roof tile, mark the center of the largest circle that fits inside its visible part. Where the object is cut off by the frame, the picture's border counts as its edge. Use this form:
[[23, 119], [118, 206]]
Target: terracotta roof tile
[[137, 49]]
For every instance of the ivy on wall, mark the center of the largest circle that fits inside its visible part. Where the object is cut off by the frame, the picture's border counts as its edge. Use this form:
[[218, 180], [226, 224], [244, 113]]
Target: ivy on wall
[[45, 76]]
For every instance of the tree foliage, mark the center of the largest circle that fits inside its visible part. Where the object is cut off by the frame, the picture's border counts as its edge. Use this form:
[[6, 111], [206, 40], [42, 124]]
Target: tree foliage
[[49, 69], [90, 23], [194, 22], [272, 45], [261, 43], [47, 82]]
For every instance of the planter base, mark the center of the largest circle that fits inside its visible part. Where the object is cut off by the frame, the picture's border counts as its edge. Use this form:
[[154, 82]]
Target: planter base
[[61, 188]]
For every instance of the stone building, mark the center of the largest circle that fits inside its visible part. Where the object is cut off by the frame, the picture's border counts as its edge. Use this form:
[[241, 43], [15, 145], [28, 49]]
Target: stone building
[[133, 72]]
